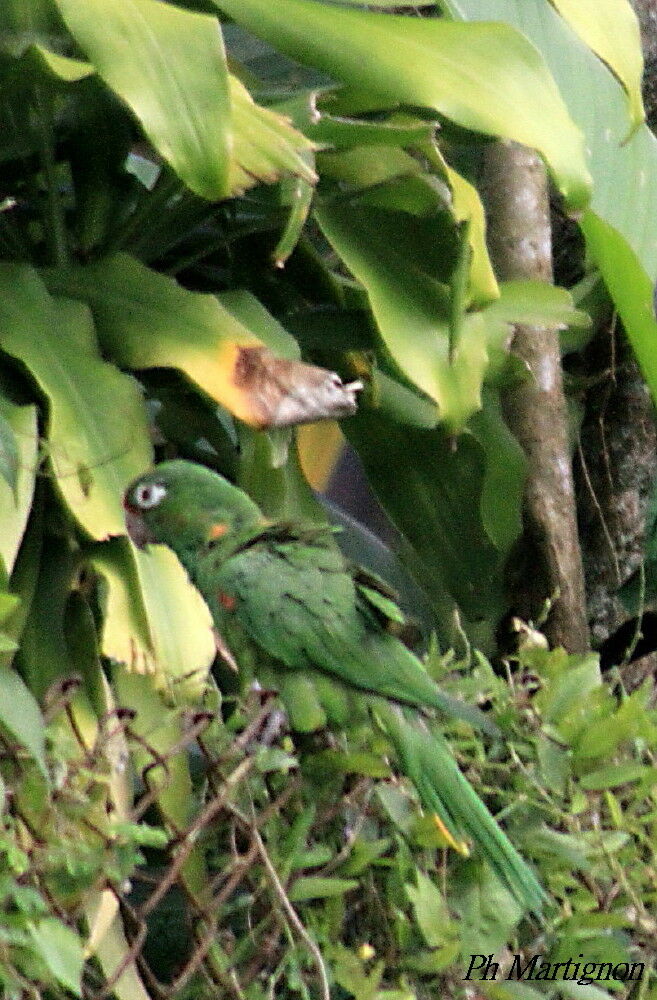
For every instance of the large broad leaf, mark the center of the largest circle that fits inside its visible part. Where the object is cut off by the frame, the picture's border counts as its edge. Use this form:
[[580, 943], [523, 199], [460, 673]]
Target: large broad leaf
[[155, 622], [486, 77], [98, 435], [146, 320], [169, 66], [397, 257], [611, 29], [16, 500], [618, 226]]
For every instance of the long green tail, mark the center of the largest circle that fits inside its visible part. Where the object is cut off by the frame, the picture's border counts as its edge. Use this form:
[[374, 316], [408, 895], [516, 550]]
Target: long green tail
[[426, 759]]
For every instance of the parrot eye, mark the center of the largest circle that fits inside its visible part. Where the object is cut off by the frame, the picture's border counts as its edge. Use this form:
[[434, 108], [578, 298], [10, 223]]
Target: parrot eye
[[149, 495]]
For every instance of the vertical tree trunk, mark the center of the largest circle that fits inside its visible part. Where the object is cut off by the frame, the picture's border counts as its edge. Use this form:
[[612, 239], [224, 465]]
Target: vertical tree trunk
[[517, 204]]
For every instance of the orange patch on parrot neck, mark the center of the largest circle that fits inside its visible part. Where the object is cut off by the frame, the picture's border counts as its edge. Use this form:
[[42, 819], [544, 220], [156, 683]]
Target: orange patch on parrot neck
[[226, 600], [217, 531]]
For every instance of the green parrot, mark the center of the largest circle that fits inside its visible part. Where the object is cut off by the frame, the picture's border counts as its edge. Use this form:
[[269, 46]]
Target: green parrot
[[290, 612]]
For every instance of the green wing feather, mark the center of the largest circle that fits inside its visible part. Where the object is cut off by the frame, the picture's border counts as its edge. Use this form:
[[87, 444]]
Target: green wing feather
[[297, 602], [295, 599]]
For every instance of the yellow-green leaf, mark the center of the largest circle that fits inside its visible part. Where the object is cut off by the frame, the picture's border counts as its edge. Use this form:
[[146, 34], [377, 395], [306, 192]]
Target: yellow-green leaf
[[97, 429], [266, 144], [385, 251], [169, 66], [155, 621], [486, 76], [146, 320], [611, 29], [16, 503]]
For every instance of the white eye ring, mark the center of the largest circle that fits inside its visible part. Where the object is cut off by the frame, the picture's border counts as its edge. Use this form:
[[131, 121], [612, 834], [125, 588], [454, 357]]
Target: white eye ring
[[149, 495]]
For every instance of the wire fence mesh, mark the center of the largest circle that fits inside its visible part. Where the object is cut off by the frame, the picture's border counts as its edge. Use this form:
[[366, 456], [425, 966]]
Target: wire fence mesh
[[195, 908]]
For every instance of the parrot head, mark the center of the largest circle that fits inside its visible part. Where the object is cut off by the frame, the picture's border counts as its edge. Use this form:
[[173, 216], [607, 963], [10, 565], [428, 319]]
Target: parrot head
[[186, 506]]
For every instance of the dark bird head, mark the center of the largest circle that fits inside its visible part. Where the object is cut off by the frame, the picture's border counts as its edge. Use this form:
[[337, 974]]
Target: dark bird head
[[186, 506]]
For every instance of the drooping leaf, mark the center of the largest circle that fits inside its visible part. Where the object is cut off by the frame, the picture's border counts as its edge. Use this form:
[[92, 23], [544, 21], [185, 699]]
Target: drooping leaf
[[146, 320], [486, 77], [468, 207], [9, 454], [265, 144], [97, 435], [169, 66], [432, 492], [630, 288], [59, 67], [504, 479]]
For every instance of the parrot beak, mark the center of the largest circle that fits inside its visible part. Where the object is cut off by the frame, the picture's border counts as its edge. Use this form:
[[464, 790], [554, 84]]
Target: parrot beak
[[137, 529]]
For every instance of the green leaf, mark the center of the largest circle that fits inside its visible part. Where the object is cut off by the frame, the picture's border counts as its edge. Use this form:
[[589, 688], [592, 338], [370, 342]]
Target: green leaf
[[397, 258], [486, 77], [98, 436], [617, 774], [9, 453], [21, 716], [155, 622], [610, 28], [430, 910], [625, 251], [315, 887], [169, 66], [61, 950], [567, 694], [602, 736], [59, 67], [265, 145], [487, 910], [571, 850], [537, 304], [363, 854], [504, 477], [313, 116], [142, 834], [432, 491], [146, 320], [630, 288], [16, 500]]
